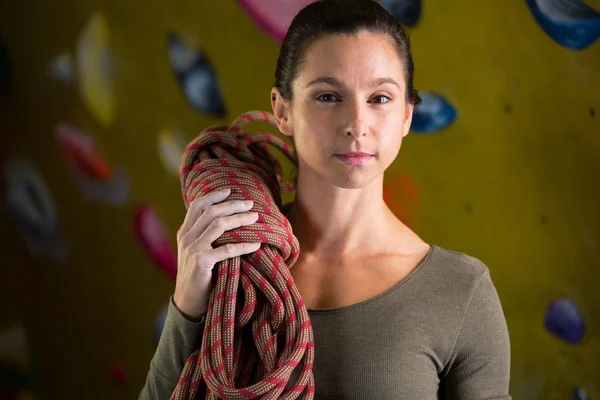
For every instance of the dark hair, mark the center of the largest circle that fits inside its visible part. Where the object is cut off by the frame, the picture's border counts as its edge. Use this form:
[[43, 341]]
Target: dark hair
[[327, 17]]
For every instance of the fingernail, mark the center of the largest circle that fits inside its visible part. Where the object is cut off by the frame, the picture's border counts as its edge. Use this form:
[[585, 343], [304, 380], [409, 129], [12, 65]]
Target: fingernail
[[248, 202], [225, 191]]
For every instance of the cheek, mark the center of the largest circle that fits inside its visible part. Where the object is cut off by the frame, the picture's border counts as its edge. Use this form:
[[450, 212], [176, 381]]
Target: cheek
[[392, 129], [316, 124]]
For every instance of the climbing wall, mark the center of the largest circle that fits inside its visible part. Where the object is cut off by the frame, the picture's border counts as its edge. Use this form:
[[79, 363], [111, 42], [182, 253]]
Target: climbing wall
[[98, 99]]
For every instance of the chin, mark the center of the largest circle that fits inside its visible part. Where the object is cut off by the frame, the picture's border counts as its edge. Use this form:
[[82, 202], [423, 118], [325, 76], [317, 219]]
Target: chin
[[352, 179], [342, 176]]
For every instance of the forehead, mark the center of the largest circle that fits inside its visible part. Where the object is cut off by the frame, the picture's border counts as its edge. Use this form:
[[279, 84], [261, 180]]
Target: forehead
[[363, 56]]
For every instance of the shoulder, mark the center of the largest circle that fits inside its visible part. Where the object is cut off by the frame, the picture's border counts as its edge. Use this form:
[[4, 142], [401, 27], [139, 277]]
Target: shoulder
[[478, 361], [458, 265], [454, 275]]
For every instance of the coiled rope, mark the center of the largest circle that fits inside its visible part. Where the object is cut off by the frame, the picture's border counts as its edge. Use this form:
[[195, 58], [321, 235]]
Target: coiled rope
[[239, 357]]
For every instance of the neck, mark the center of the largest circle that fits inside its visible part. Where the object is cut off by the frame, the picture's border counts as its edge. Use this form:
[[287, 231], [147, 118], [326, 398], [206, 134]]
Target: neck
[[337, 223]]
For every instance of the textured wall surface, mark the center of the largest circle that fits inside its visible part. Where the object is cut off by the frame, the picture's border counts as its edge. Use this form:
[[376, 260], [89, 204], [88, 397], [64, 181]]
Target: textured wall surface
[[513, 180]]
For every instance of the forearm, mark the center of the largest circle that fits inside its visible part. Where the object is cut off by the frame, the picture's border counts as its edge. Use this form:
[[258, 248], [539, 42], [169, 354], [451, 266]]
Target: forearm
[[179, 339]]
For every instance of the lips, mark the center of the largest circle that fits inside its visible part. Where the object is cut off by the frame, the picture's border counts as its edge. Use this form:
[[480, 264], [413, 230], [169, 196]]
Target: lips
[[354, 154], [355, 160]]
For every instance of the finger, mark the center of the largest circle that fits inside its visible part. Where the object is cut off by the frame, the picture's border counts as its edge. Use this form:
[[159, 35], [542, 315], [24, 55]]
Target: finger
[[230, 250], [197, 207], [219, 226], [210, 214]]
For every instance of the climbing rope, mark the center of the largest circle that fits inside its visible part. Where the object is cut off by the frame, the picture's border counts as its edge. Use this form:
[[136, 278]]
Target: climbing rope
[[255, 300]]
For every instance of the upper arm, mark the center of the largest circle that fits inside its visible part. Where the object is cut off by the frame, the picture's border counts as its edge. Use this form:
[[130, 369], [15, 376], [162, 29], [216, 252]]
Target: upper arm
[[479, 366]]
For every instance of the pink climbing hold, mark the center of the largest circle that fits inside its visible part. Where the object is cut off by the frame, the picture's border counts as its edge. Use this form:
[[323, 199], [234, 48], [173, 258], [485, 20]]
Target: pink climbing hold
[[274, 17], [153, 236]]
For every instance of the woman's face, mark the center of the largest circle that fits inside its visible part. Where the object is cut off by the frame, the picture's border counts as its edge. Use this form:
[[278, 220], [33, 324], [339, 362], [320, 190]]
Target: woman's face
[[348, 84]]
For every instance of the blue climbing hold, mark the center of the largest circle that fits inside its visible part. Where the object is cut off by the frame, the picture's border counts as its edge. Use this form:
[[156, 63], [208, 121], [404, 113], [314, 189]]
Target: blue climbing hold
[[159, 321], [433, 114], [580, 394], [196, 77], [564, 321], [201, 90], [571, 23], [28, 199], [407, 12]]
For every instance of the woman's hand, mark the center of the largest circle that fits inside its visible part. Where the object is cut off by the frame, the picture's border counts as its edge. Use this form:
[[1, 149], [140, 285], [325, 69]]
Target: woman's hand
[[206, 220]]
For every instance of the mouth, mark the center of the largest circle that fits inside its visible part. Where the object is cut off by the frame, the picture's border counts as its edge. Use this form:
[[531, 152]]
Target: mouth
[[361, 159], [354, 154]]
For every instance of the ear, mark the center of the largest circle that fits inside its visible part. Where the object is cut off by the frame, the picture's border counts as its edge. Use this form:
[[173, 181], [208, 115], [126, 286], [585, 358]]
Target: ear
[[281, 112], [408, 115]]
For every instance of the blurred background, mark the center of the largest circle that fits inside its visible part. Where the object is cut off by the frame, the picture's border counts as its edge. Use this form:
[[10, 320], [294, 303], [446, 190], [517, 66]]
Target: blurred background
[[99, 98]]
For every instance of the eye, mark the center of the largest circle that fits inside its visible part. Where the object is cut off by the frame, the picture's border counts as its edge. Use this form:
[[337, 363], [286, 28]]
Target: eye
[[326, 95], [381, 96]]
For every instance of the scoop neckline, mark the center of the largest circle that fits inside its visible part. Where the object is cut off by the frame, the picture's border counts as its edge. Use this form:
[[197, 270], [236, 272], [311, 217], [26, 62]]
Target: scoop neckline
[[399, 284], [380, 296]]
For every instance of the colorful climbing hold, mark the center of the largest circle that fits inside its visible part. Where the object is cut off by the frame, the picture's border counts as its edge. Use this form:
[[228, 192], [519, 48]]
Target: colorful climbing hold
[[95, 67], [196, 76], [153, 236], [571, 23], [407, 12], [90, 171], [564, 321], [273, 17], [30, 204], [159, 321], [433, 114]]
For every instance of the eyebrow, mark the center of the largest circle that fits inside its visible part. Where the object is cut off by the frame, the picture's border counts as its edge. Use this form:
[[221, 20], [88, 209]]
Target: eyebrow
[[334, 82]]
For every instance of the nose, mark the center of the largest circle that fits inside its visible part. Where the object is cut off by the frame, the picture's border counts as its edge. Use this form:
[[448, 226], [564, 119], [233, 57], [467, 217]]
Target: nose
[[356, 120]]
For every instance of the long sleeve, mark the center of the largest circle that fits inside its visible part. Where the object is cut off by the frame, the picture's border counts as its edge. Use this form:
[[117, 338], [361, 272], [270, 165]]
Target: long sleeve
[[479, 367], [179, 338]]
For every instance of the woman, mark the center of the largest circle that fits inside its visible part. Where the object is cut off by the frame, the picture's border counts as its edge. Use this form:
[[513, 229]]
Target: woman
[[393, 317]]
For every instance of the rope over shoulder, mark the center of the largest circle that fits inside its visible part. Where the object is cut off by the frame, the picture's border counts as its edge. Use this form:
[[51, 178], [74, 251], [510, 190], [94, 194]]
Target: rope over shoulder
[[239, 357]]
